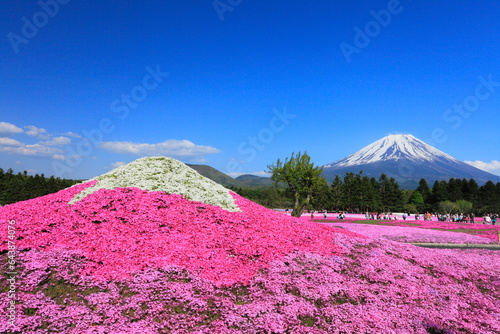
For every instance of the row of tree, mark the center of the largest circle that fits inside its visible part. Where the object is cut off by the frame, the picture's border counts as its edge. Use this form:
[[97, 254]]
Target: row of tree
[[307, 189], [465, 195], [21, 186]]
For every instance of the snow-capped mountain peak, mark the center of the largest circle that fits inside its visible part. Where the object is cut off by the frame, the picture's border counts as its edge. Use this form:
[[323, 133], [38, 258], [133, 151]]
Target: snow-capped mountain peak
[[394, 147], [408, 160]]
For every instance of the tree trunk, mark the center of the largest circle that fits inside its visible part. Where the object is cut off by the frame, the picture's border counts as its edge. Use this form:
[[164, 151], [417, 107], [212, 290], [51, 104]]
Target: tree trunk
[[296, 211]]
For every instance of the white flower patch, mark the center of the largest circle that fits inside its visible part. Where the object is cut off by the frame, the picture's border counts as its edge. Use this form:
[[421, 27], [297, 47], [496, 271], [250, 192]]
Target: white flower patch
[[163, 174]]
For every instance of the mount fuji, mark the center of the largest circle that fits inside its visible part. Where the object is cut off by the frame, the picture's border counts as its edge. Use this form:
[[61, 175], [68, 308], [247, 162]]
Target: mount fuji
[[408, 160]]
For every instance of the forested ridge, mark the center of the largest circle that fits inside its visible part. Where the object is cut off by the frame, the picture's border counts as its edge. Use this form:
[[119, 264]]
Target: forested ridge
[[21, 186]]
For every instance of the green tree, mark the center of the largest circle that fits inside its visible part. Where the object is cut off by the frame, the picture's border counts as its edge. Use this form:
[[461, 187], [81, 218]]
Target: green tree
[[368, 194], [463, 206], [348, 191], [375, 198], [471, 191], [391, 195], [447, 206], [454, 189], [416, 199], [488, 201], [300, 175], [439, 193], [320, 197], [336, 193], [424, 190]]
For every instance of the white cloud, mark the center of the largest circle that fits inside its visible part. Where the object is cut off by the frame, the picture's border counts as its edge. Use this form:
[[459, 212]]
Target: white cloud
[[9, 142], [41, 149], [7, 129], [72, 134], [118, 164], [35, 150], [171, 147], [262, 173], [39, 133], [57, 141], [198, 160], [492, 167]]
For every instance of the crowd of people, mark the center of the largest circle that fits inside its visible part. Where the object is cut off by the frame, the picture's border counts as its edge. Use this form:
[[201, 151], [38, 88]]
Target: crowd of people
[[488, 219]]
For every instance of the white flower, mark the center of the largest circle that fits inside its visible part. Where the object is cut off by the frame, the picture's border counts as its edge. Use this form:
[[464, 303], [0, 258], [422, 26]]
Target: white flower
[[163, 174]]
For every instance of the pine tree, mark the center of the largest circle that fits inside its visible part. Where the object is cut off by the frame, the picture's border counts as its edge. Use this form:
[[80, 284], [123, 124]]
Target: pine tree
[[391, 195], [488, 198], [424, 190], [376, 201], [454, 190], [336, 193], [439, 193], [471, 192], [348, 191]]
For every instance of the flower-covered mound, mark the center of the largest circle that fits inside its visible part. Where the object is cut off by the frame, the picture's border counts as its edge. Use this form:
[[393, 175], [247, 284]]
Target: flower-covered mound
[[163, 174], [127, 230]]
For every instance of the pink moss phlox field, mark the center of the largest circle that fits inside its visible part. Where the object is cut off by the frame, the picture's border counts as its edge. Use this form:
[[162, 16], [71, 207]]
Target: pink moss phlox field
[[408, 234], [126, 230], [133, 261], [376, 286], [482, 230], [477, 229]]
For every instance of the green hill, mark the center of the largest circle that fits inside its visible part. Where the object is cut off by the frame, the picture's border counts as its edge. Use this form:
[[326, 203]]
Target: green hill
[[242, 181], [255, 181], [217, 176]]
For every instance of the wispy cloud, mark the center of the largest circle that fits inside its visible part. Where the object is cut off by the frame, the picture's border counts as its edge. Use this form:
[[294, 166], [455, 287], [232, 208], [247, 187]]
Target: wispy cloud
[[9, 142], [262, 173], [171, 147], [492, 167], [198, 160], [49, 148], [118, 164], [39, 133], [57, 141], [72, 134], [35, 150], [7, 129]]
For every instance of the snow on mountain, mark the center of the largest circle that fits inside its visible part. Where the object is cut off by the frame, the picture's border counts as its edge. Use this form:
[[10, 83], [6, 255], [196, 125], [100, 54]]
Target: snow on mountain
[[407, 159], [394, 147]]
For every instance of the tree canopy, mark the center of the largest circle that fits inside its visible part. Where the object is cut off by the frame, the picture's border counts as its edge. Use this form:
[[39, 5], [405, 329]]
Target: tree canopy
[[300, 175]]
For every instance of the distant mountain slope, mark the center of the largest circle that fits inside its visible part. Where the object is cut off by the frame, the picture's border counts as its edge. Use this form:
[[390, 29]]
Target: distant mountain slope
[[242, 181], [217, 176], [407, 159], [255, 181]]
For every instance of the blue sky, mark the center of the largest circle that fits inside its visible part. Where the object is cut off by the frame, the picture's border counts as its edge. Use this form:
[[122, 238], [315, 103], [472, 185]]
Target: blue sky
[[236, 84]]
